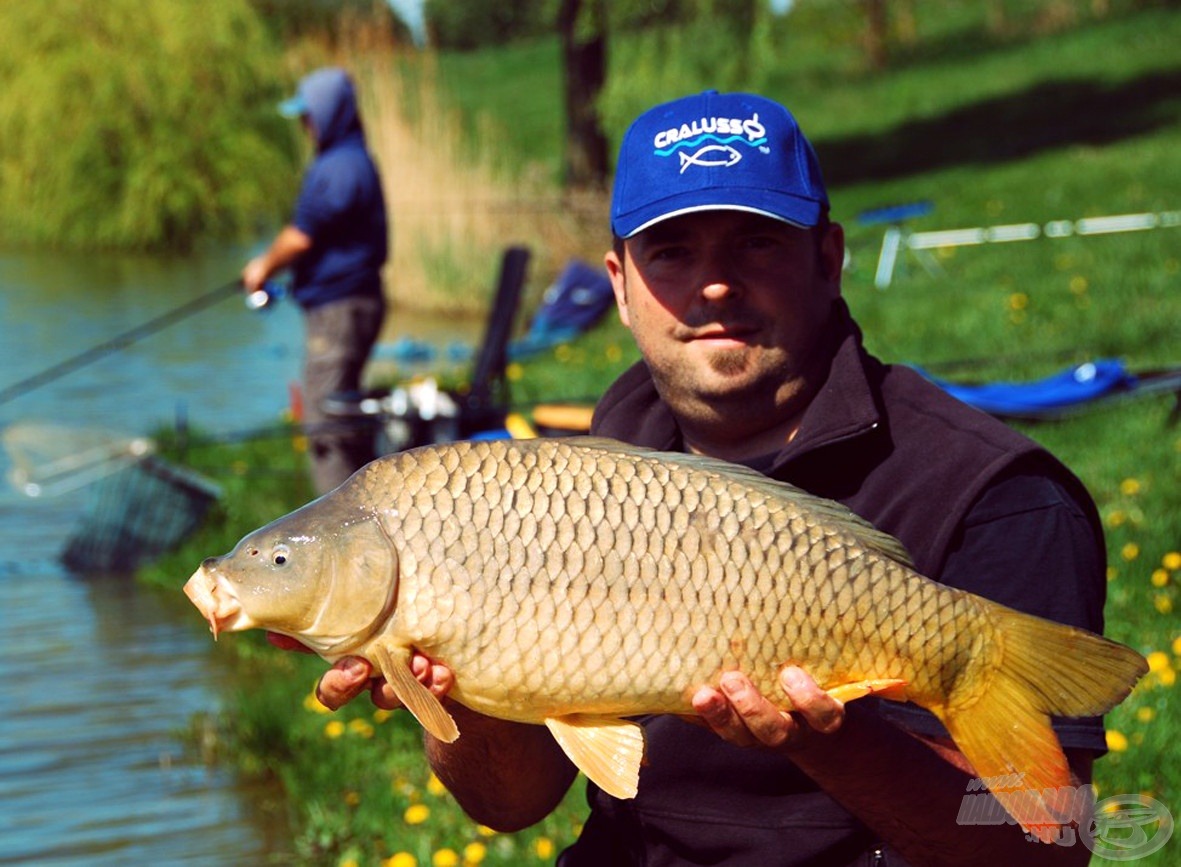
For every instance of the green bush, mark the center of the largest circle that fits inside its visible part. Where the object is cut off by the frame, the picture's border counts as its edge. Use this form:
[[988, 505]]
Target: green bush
[[141, 124]]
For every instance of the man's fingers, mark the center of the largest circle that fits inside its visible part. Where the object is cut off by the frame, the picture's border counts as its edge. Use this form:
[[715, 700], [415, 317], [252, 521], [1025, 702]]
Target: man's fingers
[[719, 715], [347, 679], [767, 724], [740, 714], [286, 642], [818, 709]]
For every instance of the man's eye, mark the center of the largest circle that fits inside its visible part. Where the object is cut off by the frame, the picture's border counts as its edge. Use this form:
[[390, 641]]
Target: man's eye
[[668, 254]]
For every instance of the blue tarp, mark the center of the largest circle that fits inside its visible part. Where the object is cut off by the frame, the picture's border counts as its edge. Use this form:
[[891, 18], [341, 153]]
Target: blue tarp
[[577, 300], [1060, 392]]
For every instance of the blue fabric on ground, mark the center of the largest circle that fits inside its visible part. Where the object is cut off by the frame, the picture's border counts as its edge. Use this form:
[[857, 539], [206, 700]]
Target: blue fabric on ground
[[1068, 388], [577, 300]]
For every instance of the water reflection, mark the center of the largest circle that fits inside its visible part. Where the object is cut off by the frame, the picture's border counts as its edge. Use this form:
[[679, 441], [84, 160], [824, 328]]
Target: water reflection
[[101, 676]]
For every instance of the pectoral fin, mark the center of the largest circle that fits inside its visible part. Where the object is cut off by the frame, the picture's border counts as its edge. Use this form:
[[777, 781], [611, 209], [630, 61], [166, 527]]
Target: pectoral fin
[[895, 690], [608, 750], [394, 663]]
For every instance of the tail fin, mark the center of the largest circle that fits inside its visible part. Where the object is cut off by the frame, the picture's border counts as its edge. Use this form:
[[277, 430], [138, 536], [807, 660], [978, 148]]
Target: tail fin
[[1000, 718]]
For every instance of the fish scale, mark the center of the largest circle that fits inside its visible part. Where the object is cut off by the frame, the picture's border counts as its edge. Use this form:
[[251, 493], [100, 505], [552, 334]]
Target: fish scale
[[579, 582]]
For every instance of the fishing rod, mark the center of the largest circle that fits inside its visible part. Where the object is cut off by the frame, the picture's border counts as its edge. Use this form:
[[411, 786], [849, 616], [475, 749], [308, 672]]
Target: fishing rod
[[121, 341]]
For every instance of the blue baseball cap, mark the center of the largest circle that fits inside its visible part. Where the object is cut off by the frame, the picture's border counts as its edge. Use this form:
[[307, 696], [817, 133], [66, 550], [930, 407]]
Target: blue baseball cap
[[729, 151], [296, 106]]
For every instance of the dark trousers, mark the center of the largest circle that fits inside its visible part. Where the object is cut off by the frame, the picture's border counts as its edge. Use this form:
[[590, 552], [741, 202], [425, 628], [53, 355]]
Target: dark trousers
[[339, 337]]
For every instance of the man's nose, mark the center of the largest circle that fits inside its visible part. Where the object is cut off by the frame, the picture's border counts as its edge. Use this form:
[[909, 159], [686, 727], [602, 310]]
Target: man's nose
[[720, 278]]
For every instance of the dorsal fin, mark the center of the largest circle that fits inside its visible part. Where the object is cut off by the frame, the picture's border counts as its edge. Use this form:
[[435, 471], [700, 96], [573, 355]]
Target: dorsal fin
[[824, 509]]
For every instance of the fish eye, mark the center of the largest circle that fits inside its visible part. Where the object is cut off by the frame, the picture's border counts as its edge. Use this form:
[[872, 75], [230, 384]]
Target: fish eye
[[279, 555]]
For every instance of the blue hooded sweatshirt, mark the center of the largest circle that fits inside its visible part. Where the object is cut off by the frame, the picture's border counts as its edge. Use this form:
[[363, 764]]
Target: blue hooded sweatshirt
[[340, 203]]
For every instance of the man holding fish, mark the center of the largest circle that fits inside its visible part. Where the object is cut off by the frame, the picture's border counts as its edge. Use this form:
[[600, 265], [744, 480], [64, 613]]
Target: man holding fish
[[727, 272]]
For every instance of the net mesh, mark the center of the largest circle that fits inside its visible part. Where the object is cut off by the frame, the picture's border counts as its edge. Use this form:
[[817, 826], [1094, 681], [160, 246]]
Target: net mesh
[[137, 505]]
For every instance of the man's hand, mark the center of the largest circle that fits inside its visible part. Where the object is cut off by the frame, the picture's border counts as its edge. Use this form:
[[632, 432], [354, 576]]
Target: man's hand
[[255, 273], [351, 676], [740, 714]]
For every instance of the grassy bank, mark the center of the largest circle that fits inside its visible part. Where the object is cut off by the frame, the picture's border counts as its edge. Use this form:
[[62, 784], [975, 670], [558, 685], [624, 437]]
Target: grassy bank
[[992, 131]]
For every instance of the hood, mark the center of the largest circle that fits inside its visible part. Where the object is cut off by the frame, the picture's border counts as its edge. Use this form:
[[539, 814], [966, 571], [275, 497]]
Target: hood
[[331, 103]]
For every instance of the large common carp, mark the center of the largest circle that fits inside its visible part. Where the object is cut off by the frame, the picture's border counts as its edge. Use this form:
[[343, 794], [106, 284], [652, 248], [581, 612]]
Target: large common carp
[[579, 582]]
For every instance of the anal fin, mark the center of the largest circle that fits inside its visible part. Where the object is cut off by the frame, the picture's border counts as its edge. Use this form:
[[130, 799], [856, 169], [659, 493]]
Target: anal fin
[[394, 663], [895, 690], [609, 750]]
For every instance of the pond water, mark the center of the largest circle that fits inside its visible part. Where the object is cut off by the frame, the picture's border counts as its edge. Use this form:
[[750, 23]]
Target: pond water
[[102, 677]]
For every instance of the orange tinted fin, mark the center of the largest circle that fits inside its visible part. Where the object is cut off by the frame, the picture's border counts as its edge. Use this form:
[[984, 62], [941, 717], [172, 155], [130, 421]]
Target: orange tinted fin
[[394, 663], [998, 714], [895, 690], [608, 750]]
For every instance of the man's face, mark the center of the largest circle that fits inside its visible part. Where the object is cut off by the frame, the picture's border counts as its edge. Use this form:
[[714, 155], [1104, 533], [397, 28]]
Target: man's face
[[728, 309]]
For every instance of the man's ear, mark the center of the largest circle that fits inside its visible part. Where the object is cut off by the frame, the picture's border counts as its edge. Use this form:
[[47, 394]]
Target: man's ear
[[615, 271], [832, 255]]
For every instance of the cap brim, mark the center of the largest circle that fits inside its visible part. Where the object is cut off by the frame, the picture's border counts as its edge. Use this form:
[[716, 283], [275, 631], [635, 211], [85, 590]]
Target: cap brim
[[796, 211], [295, 107]]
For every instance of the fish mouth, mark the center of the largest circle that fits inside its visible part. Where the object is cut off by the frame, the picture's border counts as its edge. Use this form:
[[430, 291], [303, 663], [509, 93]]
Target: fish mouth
[[217, 602]]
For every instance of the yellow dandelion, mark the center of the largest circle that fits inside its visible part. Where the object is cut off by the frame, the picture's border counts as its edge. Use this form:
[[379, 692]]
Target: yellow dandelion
[[1168, 677], [1112, 573], [333, 729], [381, 715], [1129, 487], [299, 444], [1116, 742], [1117, 518], [1157, 661], [1078, 284], [1160, 577], [416, 814], [348, 862], [1018, 301], [1145, 714], [312, 703], [400, 859], [239, 468], [474, 853], [352, 798], [514, 372], [543, 847], [361, 727], [1171, 561], [1130, 551], [1163, 603], [563, 352], [1177, 645], [614, 352], [445, 858], [485, 831], [435, 786]]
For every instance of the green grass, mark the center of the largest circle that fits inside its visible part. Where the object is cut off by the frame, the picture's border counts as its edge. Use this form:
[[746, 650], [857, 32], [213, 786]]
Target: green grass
[[1084, 123]]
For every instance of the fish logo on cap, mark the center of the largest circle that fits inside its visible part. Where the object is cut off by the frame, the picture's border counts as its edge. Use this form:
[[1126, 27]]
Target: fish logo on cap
[[713, 138]]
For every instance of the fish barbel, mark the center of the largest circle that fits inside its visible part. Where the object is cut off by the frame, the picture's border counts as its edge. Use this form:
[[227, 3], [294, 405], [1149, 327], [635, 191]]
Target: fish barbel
[[577, 582]]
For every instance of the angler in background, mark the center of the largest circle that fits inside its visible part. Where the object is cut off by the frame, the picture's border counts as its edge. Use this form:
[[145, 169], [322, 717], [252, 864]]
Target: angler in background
[[335, 246], [727, 269]]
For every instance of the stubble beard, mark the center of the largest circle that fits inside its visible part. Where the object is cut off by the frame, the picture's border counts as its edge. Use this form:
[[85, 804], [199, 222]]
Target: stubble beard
[[728, 362]]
